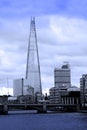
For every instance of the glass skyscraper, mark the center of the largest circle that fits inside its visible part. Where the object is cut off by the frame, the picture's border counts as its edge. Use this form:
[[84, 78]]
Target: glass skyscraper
[[33, 76]]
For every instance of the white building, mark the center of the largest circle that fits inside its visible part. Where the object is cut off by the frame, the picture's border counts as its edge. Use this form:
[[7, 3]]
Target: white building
[[18, 87], [21, 87]]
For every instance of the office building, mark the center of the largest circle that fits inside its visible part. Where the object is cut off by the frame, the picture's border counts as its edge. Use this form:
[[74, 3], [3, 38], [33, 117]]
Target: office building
[[18, 87], [62, 81], [62, 76]]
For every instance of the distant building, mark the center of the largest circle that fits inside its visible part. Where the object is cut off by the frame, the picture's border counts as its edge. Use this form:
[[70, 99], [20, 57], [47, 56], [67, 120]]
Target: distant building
[[21, 88], [24, 93], [12, 100], [65, 96], [62, 81], [18, 87], [83, 89], [55, 94], [26, 99], [62, 76], [27, 89], [72, 96]]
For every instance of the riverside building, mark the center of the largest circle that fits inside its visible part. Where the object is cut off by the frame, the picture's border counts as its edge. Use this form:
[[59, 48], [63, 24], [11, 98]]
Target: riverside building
[[83, 90], [62, 76], [62, 81]]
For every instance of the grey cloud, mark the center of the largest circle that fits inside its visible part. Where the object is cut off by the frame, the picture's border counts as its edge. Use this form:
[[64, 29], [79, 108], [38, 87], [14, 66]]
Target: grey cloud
[[52, 49]]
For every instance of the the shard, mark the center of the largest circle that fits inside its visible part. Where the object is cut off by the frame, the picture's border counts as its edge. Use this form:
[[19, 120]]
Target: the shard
[[33, 75]]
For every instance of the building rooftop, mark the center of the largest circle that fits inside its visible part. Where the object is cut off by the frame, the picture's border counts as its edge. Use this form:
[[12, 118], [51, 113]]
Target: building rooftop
[[73, 88], [64, 66]]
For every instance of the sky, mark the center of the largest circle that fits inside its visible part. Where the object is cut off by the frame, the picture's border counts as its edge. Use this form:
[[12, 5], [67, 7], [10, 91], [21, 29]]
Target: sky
[[62, 36]]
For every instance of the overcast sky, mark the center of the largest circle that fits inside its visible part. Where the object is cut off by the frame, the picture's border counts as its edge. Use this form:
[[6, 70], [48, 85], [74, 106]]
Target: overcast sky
[[61, 32]]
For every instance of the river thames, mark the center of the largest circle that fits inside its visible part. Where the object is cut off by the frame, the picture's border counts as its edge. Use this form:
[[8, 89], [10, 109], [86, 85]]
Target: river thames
[[50, 121]]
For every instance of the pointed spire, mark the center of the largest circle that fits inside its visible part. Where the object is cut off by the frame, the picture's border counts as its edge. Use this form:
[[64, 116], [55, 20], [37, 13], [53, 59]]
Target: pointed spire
[[33, 65], [32, 18]]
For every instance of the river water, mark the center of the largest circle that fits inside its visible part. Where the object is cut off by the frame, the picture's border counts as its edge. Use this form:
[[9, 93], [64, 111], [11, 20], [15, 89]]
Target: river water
[[27, 120]]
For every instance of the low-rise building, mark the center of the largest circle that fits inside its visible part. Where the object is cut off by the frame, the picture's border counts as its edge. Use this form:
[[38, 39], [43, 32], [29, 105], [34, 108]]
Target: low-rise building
[[72, 96], [65, 96], [12, 100], [55, 94]]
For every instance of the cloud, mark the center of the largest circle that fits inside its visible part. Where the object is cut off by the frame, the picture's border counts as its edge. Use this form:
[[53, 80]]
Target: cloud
[[69, 30], [60, 38], [70, 45], [17, 9], [13, 46]]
